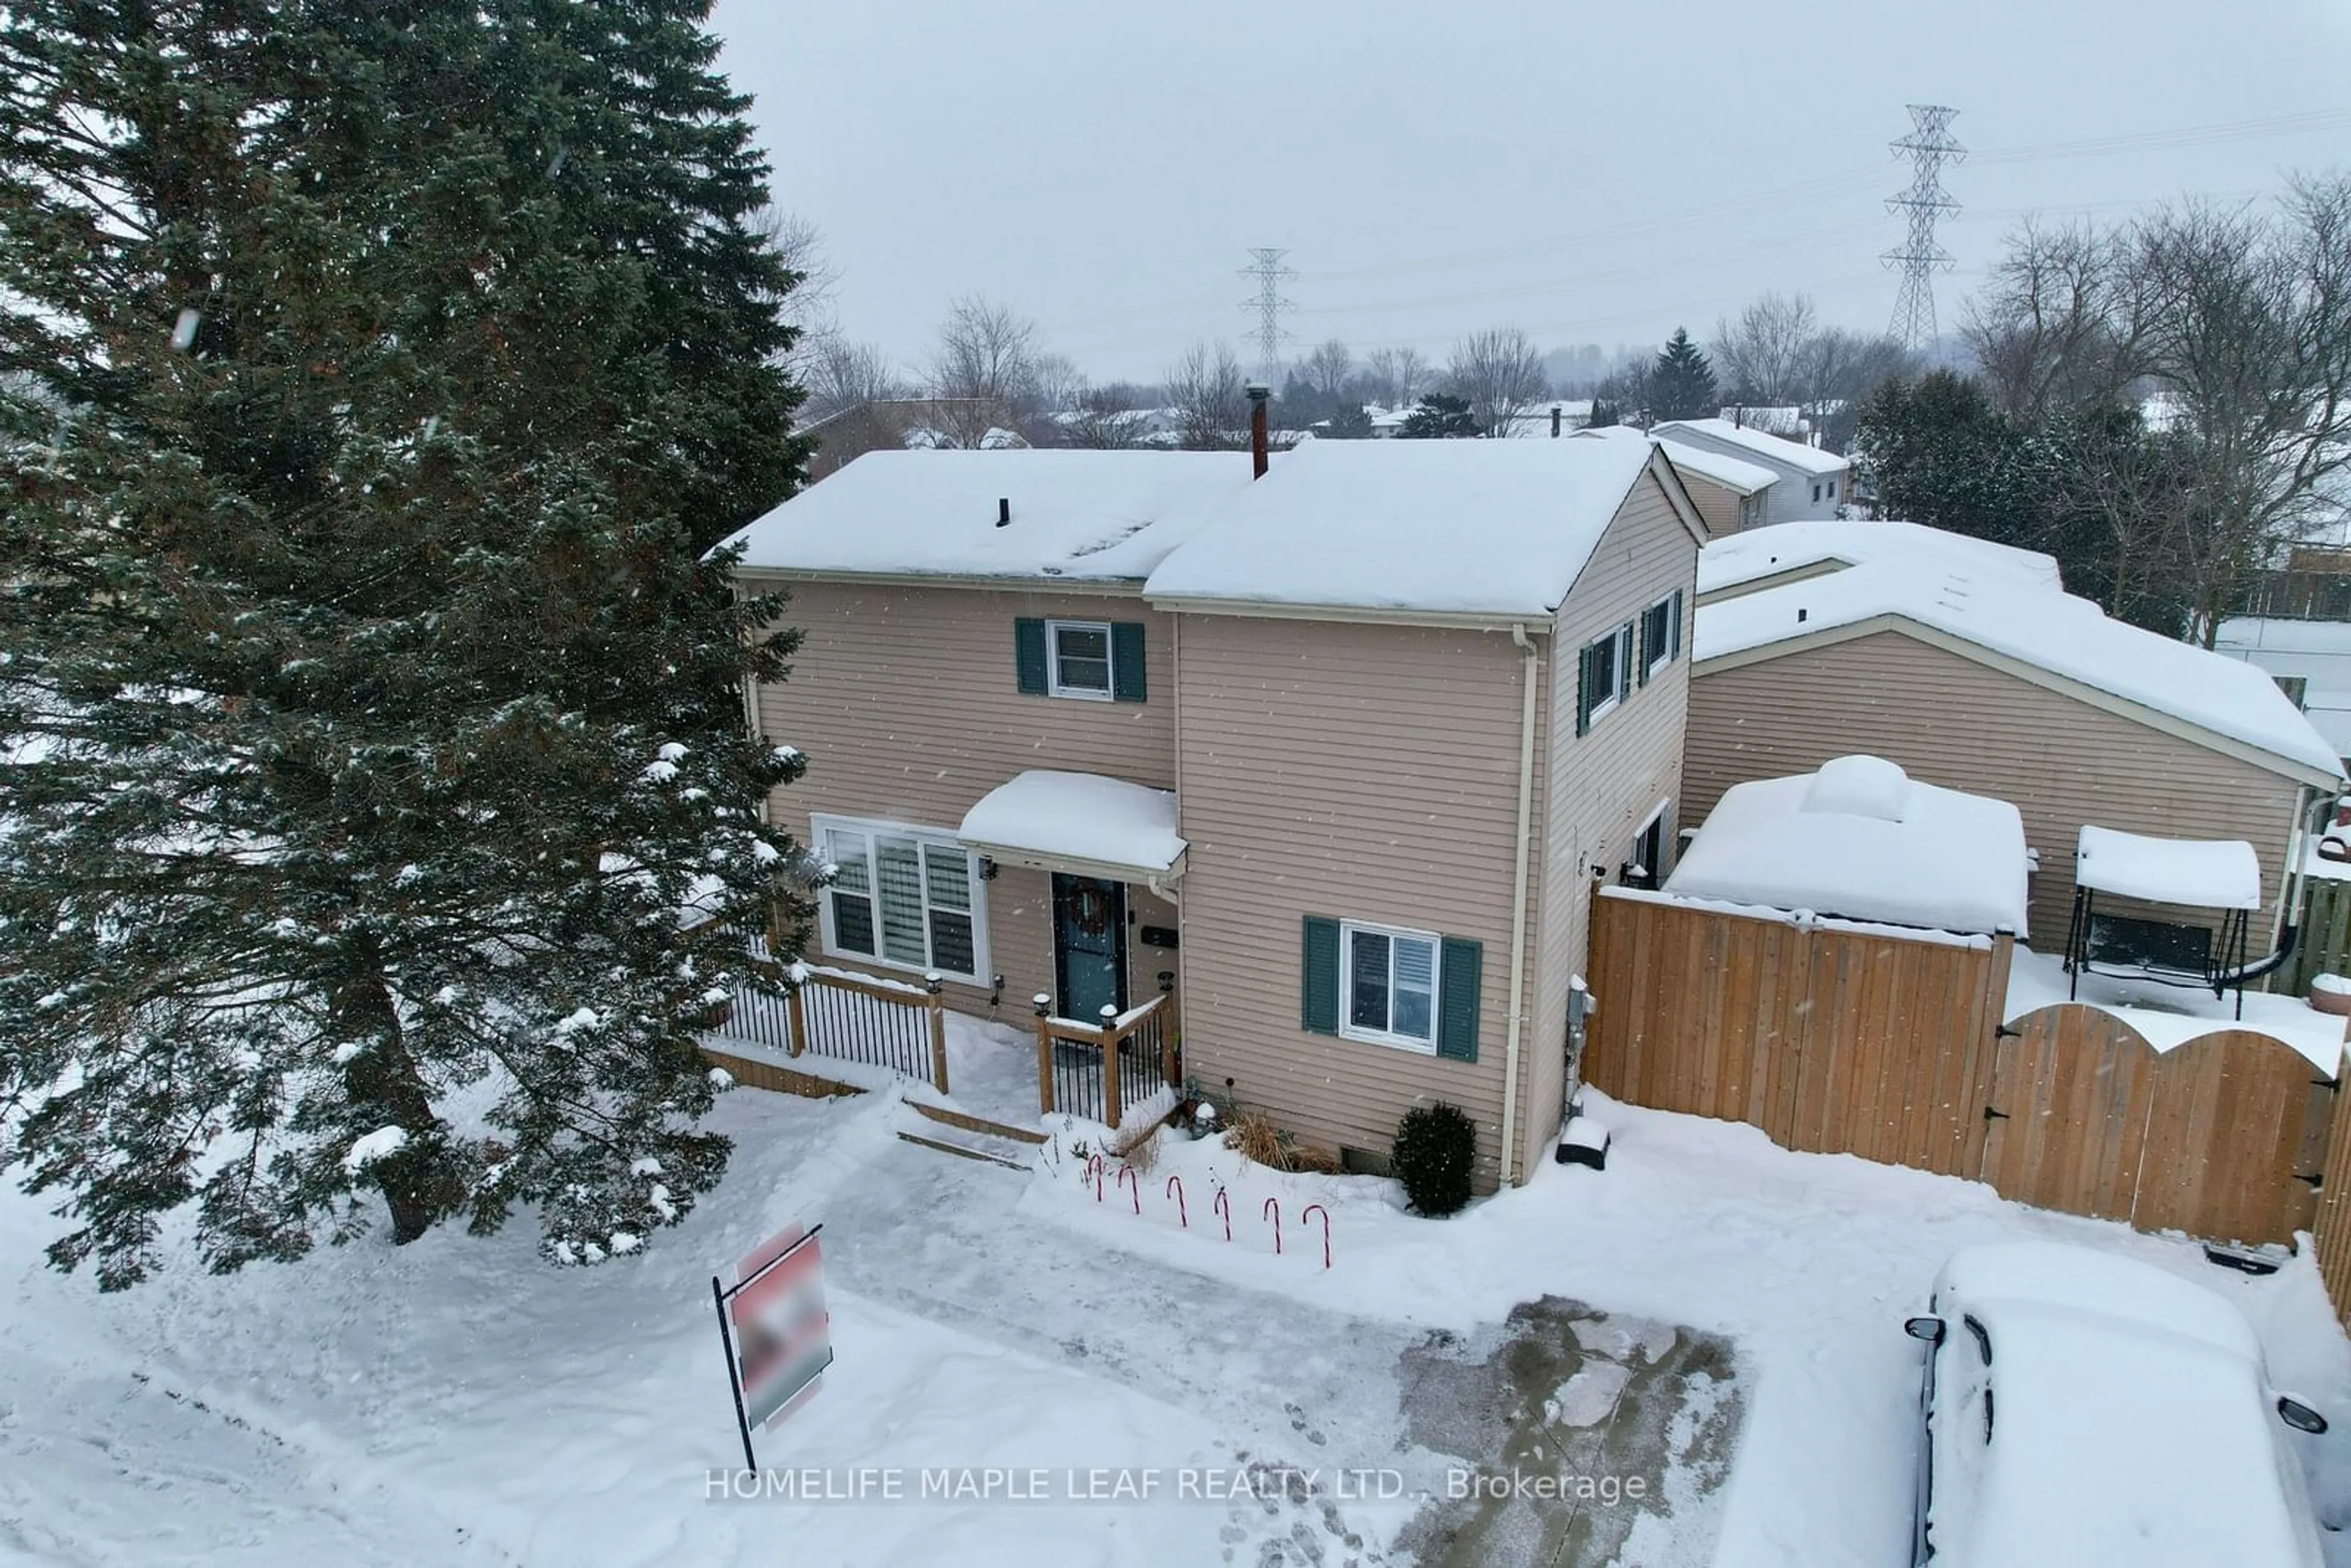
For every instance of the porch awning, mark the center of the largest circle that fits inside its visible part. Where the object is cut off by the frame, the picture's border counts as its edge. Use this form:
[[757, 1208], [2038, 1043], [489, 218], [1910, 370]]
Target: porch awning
[[2208, 873], [1082, 824]]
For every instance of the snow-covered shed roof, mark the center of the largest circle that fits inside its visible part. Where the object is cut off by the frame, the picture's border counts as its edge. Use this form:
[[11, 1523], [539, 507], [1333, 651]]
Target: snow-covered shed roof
[[2208, 873], [1813, 547], [1489, 529], [1734, 474], [1076, 515], [1796, 454], [2054, 637], [1859, 840], [1076, 821]]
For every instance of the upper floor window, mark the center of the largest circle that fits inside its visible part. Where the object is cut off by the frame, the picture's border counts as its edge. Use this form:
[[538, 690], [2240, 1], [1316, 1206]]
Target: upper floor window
[[1661, 634], [1080, 658], [1098, 661], [1603, 677]]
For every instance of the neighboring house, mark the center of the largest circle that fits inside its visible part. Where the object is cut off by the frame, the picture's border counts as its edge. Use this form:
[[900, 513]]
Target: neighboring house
[[1360, 738], [1776, 419], [1960, 661], [1730, 493], [2298, 627], [889, 425], [1812, 483], [1551, 416]]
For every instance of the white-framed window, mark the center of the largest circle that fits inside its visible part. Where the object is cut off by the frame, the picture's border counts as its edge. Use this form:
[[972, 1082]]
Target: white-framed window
[[1661, 634], [1388, 991], [905, 898], [1607, 675], [1078, 658]]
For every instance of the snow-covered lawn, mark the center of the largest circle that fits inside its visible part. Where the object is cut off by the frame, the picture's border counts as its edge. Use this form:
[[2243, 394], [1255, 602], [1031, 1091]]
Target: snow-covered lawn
[[458, 1402]]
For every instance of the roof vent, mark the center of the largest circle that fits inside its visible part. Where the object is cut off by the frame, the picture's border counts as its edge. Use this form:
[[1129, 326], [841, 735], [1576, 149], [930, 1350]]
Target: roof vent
[[1004, 511]]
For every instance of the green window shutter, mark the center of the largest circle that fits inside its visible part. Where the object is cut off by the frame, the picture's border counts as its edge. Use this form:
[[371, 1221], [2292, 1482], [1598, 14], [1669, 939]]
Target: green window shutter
[[1126, 661], [1029, 655], [1677, 623], [1583, 690], [1456, 1008], [1318, 977], [1640, 649]]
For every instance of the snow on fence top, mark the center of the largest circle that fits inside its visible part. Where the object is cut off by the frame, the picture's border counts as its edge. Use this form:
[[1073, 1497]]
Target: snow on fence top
[[1080, 515], [2053, 632], [1080, 817], [1483, 528], [1759, 553], [1824, 841], [1762, 443], [2206, 873]]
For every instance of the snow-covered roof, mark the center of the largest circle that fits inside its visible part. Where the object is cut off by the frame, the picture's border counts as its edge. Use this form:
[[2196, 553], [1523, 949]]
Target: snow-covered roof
[[1076, 516], [1832, 544], [2210, 873], [1731, 473], [2130, 1419], [2056, 633], [1077, 820], [1481, 527], [1861, 840], [1796, 454]]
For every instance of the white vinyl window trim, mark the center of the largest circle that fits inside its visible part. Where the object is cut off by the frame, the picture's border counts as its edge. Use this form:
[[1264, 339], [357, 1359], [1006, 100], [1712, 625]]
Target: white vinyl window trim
[[1399, 973], [1620, 683], [1079, 671], [901, 897]]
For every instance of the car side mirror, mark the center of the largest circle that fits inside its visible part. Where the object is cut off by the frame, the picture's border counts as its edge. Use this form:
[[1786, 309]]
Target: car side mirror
[[2300, 1416], [1932, 1331]]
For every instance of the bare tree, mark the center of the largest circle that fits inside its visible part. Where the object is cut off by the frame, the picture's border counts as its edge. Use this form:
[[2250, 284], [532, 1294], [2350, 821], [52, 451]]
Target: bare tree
[[2245, 331], [1761, 356], [1210, 394], [2057, 323], [840, 374], [1329, 370], [1836, 374], [1499, 374], [1398, 376], [984, 374]]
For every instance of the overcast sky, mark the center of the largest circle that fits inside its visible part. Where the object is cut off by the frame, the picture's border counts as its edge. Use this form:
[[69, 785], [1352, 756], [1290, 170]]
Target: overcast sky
[[1590, 172]]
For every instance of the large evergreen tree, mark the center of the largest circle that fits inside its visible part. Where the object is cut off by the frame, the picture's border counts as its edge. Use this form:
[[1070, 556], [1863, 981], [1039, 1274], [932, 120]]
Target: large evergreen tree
[[372, 380], [1681, 383]]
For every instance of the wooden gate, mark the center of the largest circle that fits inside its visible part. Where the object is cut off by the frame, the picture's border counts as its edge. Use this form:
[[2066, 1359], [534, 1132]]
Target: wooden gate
[[1844, 1040]]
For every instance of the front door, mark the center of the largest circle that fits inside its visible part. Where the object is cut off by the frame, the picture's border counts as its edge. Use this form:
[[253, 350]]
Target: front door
[[1089, 947]]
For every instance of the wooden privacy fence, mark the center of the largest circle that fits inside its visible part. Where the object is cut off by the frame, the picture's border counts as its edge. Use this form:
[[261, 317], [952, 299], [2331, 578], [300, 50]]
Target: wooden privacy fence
[[2333, 1226], [1840, 1039], [2324, 947], [1104, 1070]]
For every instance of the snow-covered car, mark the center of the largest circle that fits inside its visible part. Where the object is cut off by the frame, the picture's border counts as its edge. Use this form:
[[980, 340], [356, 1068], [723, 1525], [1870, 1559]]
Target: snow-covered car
[[2083, 1408]]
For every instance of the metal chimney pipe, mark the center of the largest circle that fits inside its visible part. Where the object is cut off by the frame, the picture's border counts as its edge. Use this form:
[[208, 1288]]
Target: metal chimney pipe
[[1554, 421], [1004, 511], [1259, 460]]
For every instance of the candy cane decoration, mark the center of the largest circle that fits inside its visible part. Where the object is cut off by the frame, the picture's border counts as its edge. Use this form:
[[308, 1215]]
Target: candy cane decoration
[[1273, 1209], [1175, 1189], [1318, 1209], [1224, 1206], [1127, 1179], [1094, 1171]]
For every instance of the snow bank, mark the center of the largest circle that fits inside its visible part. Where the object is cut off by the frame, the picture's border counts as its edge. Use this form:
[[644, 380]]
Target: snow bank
[[1484, 528], [2056, 633], [1861, 840], [1076, 816], [2208, 873], [1087, 517]]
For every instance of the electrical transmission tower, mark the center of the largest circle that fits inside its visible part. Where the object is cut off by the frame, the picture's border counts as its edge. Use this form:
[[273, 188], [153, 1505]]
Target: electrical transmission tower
[[1265, 266], [1929, 147]]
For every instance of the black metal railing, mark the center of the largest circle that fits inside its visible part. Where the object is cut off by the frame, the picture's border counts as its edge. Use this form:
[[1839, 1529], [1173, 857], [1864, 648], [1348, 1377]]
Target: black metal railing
[[852, 1024]]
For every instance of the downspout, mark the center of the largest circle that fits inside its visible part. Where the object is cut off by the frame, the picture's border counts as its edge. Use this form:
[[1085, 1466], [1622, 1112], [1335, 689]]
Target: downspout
[[1529, 669]]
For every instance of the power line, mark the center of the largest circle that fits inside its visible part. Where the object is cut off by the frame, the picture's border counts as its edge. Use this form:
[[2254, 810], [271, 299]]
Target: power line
[[1930, 146], [1266, 266]]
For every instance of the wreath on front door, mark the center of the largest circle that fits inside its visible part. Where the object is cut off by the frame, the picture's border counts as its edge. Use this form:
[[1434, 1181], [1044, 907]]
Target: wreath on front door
[[1089, 910]]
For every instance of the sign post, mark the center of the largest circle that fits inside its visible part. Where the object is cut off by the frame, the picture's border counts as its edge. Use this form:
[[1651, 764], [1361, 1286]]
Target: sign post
[[773, 1324]]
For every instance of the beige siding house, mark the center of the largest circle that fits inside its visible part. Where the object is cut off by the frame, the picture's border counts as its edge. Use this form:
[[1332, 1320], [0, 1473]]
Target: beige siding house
[[1979, 676], [1402, 703]]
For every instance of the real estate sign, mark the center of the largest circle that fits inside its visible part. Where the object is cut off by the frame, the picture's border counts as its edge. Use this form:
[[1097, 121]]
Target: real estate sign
[[778, 1332]]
